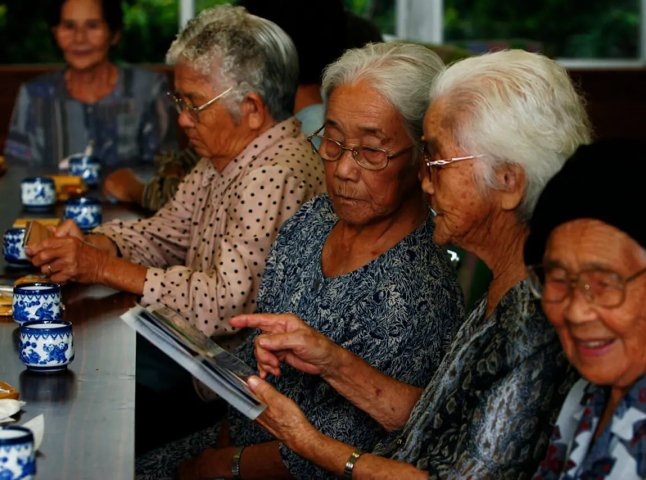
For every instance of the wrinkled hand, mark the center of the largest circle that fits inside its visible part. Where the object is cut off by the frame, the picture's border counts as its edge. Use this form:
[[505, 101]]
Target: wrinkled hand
[[282, 417], [68, 229], [287, 338], [68, 258], [124, 185]]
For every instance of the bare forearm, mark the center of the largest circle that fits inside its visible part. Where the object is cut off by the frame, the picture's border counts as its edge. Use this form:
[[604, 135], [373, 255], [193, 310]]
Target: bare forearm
[[123, 275], [385, 399], [103, 243], [257, 462], [332, 455], [262, 461]]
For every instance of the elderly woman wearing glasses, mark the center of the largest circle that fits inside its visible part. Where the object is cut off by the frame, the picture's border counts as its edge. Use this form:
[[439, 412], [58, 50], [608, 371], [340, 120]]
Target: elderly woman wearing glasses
[[498, 127], [204, 252], [588, 255], [357, 264]]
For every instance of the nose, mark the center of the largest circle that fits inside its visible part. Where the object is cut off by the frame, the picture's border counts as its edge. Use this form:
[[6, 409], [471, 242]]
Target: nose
[[578, 309], [185, 120], [425, 178], [345, 166], [79, 34]]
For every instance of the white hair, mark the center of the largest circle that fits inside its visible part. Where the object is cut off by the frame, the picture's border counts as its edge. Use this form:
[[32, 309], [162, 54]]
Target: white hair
[[514, 107], [401, 72], [251, 54]]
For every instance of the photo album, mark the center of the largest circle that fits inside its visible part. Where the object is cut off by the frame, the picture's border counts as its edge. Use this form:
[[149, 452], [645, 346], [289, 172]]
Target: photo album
[[221, 371]]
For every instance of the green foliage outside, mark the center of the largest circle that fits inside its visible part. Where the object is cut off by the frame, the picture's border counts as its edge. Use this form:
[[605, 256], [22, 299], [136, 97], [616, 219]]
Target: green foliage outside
[[571, 29], [565, 29]]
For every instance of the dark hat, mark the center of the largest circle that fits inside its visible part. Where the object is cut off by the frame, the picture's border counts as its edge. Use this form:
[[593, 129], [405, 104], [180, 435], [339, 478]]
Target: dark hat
[[603, 181]]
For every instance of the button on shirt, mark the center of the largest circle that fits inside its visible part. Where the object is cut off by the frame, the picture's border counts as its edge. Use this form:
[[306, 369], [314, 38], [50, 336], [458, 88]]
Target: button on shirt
[[206, 247]]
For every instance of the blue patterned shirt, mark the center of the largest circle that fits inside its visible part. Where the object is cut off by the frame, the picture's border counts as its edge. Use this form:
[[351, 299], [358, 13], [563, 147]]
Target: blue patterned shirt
[[619, 453], [399, 312], [489, 410], [128, 125]]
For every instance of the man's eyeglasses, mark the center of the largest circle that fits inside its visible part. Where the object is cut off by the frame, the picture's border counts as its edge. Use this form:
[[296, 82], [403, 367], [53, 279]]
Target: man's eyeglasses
[[604, 288], [370, 158], [182, 106]]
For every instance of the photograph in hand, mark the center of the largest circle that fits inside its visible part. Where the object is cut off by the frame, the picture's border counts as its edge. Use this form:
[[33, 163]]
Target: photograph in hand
[[221, 371]]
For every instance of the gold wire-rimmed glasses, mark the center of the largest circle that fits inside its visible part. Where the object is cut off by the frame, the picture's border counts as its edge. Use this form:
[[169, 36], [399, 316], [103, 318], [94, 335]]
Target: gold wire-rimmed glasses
[[370, 158], [182, 106]]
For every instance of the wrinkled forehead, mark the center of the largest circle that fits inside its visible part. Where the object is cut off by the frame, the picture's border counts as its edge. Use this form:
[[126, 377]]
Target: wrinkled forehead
[[591, 243]]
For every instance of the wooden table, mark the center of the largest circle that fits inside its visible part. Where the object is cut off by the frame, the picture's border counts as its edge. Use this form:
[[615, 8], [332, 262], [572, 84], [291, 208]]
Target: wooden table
[[89, 410]]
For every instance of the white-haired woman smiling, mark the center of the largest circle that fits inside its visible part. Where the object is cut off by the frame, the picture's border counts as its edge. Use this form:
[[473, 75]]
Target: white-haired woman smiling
[[587, 251], [497, 128]]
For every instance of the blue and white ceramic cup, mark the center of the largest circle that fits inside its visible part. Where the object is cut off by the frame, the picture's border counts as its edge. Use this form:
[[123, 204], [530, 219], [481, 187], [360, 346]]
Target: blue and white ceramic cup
[[13, 248], [86, 167], [46, 345], [17, 454], [36, 301], [85, 211], [38, 193]]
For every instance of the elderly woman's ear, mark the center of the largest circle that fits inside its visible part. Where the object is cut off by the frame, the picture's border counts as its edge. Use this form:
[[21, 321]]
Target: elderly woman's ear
[[511, 182], [254, 111]]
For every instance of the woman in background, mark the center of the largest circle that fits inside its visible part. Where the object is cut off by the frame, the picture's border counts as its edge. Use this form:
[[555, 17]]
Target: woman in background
[[122, 110]]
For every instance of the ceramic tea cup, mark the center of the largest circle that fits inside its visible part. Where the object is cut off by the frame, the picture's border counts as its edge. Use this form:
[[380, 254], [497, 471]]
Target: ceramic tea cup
[[88, 167], [85, 211], [46, 345], [13, 248], [36, 301], [17, 454], [38, 193]]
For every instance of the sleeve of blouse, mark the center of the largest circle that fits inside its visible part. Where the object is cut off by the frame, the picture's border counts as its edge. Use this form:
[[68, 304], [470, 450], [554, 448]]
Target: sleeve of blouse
[[210, 298], [158, 125], [510, 424], [158, 241], [20, 143]]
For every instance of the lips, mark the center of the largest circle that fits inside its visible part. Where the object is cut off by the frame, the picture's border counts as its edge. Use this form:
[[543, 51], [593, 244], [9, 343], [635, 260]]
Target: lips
[[594, 347]]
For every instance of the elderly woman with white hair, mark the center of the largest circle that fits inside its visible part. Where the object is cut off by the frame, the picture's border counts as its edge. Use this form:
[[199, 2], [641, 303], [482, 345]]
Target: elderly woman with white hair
[[203, 253], [498, 127], [358, 264]]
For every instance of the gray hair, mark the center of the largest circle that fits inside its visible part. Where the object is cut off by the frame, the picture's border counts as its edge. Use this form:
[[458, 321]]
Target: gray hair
[[401, 72], [514, 107], [235, 48]]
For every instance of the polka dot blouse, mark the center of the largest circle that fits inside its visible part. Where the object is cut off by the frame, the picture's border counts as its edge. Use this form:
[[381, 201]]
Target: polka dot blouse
[[206, 248]]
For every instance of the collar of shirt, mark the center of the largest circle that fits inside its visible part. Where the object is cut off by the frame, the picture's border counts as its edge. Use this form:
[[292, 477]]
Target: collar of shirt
[[289, 128]]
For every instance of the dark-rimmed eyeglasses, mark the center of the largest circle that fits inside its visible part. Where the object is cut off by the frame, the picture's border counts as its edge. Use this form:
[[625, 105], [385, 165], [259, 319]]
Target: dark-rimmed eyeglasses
[[604, 288], [370, 158], [182, 106]]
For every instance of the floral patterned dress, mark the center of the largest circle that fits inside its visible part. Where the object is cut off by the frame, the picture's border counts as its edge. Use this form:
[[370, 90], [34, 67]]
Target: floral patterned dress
[[400, 312], [490, 408]]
